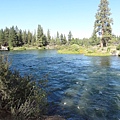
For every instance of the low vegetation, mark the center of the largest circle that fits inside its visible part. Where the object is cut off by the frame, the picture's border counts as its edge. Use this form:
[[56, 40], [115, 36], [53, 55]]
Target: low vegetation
[[20, 97], [88, 51]]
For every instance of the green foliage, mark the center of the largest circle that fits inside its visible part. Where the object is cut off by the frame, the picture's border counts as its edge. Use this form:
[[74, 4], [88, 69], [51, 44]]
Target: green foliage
[[70, 49], [19, 37], [118, 47], [39, 36], [102, 24], [108, 49], [13, 42], [29, 37], [75, 47], [44, 40], [63, 39], [69, 36], [20, 95], [25, 37], [94, 40], [1, 36], [48, 37]]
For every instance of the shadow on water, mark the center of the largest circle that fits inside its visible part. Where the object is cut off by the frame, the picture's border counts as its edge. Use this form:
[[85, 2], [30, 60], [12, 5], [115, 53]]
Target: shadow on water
[[81, 87]]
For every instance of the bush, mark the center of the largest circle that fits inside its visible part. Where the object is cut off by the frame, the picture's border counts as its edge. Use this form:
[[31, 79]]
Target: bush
[[118, 47], [108, 49], [75, 47], [20, 96]]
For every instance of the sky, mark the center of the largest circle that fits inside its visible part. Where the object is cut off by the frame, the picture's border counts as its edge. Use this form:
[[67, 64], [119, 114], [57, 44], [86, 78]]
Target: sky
[[77, 16]]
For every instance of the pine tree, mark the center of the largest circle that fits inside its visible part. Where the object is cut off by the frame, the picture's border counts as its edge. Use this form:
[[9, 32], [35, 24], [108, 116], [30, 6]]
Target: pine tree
[[29, 37], [25, 37], [103, 23], [39, 36], [53, 41], [57, 39], [33, 38], [1, 36], [69, 36], [63, 39], [13, 42], [20, 40], [6, 35], [48, 36], [44, 40], [94, 40]]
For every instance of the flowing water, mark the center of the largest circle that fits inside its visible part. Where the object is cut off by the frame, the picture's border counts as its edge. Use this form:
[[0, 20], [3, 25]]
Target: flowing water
[[80, 87]]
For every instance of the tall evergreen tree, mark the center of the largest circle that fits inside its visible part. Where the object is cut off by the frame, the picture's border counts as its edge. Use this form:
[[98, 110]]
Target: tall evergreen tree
[[63, 39], [58, 39], [6, 35], [39, 36], [53, 41], [94, 40], [48, 36], [33, 38], [44, 40], [103, 23], [25, 37], [57, 34], [69, 36], [29, 37], [1, 36], [20, 40], [13, 42]]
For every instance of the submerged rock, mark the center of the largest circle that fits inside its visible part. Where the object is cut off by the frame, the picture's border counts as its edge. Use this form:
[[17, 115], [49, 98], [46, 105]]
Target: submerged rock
[[56, 117]]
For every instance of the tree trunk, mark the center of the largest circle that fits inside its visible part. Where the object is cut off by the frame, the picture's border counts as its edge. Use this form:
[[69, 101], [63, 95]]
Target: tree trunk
[[103, 43]]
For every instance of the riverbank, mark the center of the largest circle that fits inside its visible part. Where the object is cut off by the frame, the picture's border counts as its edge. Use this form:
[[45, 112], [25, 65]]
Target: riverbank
[[34, 47], [89, 51], [76, 49]]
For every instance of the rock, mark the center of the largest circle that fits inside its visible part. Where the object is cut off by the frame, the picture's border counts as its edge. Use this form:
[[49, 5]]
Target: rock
[[55, 117], [116, 53]]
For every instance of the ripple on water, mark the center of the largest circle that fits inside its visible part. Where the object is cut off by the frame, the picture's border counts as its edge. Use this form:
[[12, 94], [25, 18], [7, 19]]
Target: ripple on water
[[80, 87]]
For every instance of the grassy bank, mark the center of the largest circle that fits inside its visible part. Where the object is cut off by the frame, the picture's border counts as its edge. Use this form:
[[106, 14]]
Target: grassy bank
[[97, 54], [27, 48], [30, 47], [74, 49], [88, 51], [71, 49]]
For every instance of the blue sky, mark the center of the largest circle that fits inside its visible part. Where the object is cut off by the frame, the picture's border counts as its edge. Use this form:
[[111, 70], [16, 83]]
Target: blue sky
[[56, 15]]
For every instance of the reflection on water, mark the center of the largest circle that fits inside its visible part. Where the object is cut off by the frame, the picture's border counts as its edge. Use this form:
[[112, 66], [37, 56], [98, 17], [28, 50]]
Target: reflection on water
[[81, 87]]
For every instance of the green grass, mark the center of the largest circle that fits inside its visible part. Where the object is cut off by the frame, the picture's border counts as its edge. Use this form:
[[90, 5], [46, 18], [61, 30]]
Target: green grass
[[97, 54], [67, 52], [27, 48], [88, 51]]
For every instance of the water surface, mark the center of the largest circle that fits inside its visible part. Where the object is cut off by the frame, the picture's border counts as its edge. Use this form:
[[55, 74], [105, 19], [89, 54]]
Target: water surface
[[81, 87]]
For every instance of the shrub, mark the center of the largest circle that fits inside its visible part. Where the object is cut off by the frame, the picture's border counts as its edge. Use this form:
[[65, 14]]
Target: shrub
[[75, 47], [118, 47], [108, 49], [20, 95]]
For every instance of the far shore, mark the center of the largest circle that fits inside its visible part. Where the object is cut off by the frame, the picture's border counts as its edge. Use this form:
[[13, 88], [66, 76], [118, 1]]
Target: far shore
[[33, 48], [75, 49]]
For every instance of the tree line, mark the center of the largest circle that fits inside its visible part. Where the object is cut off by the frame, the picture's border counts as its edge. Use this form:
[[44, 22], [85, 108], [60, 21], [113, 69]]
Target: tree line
[[14, 37]]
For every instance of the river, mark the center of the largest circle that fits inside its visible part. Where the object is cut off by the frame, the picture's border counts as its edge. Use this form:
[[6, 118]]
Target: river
[[80, 87]]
